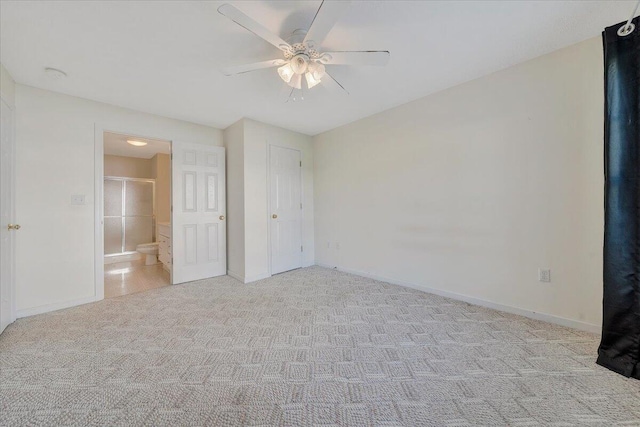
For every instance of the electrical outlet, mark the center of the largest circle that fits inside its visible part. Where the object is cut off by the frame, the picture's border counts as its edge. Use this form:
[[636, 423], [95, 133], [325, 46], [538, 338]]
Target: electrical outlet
[[77, 199], [544, 275], [328, 245]]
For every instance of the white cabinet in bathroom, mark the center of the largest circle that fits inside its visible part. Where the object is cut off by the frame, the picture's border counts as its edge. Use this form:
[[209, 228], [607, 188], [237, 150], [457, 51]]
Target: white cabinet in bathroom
[[164, 245]]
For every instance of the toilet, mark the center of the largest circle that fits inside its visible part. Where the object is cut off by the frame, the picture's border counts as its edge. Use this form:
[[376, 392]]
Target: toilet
[[151, 252]]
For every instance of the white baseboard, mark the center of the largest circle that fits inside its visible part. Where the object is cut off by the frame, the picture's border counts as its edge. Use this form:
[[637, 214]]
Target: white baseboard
[[53, 307], [576, 324], [249, 279], [235, 275], [256, 277]]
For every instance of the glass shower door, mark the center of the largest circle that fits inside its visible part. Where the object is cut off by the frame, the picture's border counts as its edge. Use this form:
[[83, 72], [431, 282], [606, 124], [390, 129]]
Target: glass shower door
[[129, 217]]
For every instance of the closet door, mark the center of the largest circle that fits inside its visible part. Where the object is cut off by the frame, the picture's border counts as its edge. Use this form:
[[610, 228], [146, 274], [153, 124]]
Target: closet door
[[285, 180]]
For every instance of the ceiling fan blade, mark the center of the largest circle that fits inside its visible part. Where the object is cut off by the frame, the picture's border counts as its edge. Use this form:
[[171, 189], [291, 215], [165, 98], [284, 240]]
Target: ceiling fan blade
[[245, 21], [366, 57], [326, 17], [332, 84], [239, 69]]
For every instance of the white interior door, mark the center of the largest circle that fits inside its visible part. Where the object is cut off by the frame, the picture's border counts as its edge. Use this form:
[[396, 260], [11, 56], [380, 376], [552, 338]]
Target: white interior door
[[199, 238], [286, 209], [7, 227]]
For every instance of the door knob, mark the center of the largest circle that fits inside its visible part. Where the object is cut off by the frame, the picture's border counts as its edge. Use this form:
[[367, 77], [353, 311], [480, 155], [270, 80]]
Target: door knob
[[274, 216], [13, 227], [221, 217]]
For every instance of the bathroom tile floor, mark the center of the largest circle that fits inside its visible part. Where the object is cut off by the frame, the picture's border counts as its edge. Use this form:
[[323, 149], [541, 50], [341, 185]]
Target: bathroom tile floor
[[130, 277]]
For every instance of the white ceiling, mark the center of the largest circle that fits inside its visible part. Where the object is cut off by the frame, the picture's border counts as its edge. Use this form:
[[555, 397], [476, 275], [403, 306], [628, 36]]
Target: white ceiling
[[116, 145], [164, 57]]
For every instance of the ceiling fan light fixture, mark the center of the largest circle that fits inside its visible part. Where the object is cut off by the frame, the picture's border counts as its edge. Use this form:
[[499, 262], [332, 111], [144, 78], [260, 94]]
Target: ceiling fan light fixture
[[302, 50], [296, 81], [311, 80], [286, 72], [299, 63], [317, 70]]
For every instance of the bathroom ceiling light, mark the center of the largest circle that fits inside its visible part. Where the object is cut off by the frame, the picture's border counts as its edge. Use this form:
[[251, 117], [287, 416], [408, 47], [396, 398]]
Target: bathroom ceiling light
[[136, 143]]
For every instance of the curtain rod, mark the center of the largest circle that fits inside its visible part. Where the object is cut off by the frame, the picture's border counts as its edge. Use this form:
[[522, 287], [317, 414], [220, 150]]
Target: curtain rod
[[628, 28]]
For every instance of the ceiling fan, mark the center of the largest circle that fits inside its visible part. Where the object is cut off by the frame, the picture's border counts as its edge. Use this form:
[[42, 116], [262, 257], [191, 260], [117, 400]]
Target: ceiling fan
[[301, 50]]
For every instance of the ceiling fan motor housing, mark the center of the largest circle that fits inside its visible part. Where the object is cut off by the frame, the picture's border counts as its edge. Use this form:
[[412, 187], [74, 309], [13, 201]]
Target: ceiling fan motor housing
[[297, 46]]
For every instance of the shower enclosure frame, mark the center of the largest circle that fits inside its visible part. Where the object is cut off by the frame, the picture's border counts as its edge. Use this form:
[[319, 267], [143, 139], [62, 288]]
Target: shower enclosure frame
[[123, 216]]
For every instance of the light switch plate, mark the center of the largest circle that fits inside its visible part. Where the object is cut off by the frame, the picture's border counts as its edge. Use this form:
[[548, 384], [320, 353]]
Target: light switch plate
[[78, 199]]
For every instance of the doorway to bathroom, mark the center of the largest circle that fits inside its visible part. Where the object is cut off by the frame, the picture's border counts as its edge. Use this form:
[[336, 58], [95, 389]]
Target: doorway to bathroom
[[137, 214]]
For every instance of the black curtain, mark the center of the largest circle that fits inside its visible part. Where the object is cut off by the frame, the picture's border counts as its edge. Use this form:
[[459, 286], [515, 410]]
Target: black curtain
[[620, 346]]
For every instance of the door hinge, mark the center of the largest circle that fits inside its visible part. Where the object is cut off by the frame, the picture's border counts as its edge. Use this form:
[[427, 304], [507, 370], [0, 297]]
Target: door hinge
[[300, 163], [301, 249], [300, 205]]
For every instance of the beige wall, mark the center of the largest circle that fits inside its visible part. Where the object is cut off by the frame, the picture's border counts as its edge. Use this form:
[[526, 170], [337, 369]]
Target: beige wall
[[55, 158], [469, 191], [130, 167]]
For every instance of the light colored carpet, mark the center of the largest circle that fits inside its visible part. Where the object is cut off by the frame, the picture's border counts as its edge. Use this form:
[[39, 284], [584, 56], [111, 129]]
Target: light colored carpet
[[309, 347]]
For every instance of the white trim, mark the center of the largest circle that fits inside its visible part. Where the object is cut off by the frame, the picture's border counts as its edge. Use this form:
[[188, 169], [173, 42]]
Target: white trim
[[550, 318], [257, 277], [235, 275], [98, 203], [269, 212], [13, 310], [250, 279], [55, 306]]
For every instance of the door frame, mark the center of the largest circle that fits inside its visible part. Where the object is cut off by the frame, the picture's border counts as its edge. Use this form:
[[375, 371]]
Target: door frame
[[12, 200], [99, 130], [269, 211]]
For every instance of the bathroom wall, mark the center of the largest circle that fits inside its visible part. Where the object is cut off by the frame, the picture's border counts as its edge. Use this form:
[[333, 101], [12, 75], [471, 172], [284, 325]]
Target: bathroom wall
[[130, 167]]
